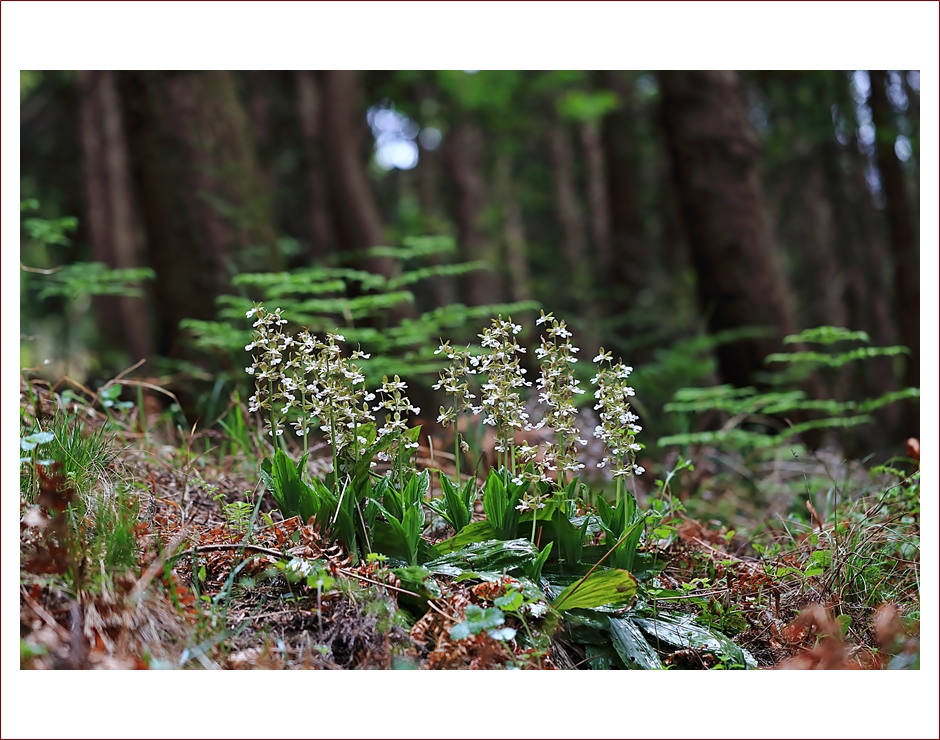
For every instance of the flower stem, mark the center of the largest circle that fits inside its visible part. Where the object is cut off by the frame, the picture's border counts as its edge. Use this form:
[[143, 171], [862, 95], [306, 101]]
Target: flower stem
[[335, 453]]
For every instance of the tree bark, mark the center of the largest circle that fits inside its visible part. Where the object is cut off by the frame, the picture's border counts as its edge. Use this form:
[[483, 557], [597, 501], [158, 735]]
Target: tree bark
[[598, 204], [259, 109], [465, 156], [570, 215], [514, 233], [205, 212], [629, 269], [310, 115], [713, 151], [863, 265], [902, 240], [110, 208], [356, 215], [428, 177]]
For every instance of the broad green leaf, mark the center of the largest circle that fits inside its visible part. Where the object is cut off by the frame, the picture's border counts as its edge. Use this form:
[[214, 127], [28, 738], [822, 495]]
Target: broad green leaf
[[607, 587], [681, 632], [631, 646], [490, 555], [475, 532]]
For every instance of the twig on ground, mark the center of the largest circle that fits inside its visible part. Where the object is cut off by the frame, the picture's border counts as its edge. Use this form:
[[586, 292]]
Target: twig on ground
[[45, 616]]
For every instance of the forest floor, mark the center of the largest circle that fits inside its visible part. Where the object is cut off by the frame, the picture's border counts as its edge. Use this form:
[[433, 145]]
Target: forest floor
[[201, 578]]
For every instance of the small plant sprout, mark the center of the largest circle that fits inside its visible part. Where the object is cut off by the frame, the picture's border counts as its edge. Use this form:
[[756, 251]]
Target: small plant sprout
[[618, 425]]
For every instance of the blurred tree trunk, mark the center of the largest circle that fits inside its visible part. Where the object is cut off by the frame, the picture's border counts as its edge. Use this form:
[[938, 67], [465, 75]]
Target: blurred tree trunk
[[110, 208], [259, 84], [902, 241], [570, 215], [598, 204], [355, 213], [714, 153], [815, 240], [202, 202], [514, 232], [465, 155], [804, 214], [863, 265], [310, 115], [428, 176], [629, 267], [912, 115]]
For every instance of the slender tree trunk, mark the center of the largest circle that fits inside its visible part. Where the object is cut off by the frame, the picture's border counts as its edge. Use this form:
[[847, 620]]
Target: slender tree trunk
[[913, 118], [205, 212], [903, 244], [570, 215], [310, 115], [816, 244], [356, 215], [514, 233], [865, 291], [599, 206], [630, 260], [713, 151], [428, 176], [110, 207], [260, 84], [465, 154]]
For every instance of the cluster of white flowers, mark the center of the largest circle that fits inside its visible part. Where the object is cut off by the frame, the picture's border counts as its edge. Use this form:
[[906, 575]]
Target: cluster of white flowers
[[269, 346], [396, 404], [618, 425], [339, 400], [557, 388], [309, 377], [502, 406], [454, 381]]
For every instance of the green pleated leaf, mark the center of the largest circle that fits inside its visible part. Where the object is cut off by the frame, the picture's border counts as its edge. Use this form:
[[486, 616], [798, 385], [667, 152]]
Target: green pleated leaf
[[631, 645], [490, 555], [681, 632], [475, 532], [608, 587]]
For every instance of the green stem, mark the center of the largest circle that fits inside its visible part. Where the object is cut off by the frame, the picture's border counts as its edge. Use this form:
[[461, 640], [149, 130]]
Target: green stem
[[303, 410], [276, 440], [333, 445], [457, 441]]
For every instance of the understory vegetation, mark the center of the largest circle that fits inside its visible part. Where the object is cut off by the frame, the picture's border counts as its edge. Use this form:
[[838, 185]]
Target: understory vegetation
[[326, 522]]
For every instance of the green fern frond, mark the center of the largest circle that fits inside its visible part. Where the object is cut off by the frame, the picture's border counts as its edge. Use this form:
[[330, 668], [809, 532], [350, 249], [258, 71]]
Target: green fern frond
[[860, 353], [827, 335]]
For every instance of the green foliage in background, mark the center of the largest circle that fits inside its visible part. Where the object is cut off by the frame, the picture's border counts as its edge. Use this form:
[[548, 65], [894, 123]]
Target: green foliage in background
[[759, 420], [358, 303], [72, 283]]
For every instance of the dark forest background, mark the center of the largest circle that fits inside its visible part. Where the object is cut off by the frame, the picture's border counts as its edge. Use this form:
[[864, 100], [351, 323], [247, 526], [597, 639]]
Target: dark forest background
[[654, 211]]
